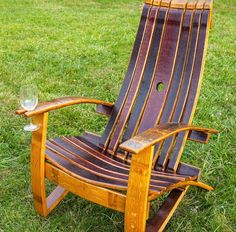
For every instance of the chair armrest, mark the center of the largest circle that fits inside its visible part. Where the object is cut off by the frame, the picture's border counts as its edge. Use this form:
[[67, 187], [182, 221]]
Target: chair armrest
[[154, 135], [60, 103]]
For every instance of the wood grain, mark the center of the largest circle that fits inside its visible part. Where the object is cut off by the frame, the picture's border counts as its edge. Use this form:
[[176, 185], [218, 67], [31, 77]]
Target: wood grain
[[152, 136], [183, 4], [101, 196], [137, 193], [163, 215], [60, 103], [37, 159], [169, 50]]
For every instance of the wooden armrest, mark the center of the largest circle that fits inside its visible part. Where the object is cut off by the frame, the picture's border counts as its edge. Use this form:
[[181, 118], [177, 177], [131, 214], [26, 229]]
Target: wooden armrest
[[60, 103], [154, 135]]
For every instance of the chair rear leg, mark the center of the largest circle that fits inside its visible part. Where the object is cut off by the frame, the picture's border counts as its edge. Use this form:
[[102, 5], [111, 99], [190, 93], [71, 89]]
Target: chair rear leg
[[163, 215], [55, 198]]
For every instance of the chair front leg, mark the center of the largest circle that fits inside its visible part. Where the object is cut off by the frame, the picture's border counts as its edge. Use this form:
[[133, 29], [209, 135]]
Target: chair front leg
[[43, 204], [37, 163], [136, 208]]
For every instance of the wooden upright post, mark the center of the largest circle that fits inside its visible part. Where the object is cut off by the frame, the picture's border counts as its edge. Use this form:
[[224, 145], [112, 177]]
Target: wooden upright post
[[37, 163], [136, 208]]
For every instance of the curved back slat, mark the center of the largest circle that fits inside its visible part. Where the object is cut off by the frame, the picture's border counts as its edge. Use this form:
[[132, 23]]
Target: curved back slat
[[148, 78], [128, 78], [169, 52]]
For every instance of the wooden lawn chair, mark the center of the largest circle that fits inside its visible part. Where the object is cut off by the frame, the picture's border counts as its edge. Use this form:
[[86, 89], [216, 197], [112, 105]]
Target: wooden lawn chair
[[137, 159]]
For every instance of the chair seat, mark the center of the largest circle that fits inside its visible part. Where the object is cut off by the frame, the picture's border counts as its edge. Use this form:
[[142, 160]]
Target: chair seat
[[86, 161]]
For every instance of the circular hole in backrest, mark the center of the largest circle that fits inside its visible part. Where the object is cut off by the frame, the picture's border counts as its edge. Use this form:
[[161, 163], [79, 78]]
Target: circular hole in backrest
[[160, 86]]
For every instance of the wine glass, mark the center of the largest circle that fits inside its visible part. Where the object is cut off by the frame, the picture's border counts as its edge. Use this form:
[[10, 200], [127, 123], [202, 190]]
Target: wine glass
[[29, 100]]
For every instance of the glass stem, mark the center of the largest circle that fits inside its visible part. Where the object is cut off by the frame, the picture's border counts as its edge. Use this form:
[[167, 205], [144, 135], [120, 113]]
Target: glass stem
[[31, 121]]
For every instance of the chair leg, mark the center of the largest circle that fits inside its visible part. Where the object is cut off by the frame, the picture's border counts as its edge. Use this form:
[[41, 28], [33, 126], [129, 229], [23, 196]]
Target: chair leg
[[55, 198], [136, 208], [163, 215], [37, 162], [42, 204]]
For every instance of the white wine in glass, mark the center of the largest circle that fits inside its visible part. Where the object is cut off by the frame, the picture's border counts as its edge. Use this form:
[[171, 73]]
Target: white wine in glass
[[29, 100]]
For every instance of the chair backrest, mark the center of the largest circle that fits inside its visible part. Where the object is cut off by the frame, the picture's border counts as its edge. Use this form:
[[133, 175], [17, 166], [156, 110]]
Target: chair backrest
[[164, 75]]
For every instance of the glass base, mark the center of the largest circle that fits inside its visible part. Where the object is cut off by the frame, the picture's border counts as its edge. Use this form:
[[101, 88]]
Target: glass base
[[31, 127]]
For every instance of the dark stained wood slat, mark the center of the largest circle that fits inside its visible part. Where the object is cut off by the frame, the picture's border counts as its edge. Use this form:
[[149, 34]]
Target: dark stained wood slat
[[91, 176], [198, 137], [189, 105], [186, 169], [163, 71], [175, 85], [88, 159], [138, 76], [189, 68], [148, 75], [180, 64], [104, 110], [91, 137], [198, 70], [89, 147], [165, 153], [119, 158], [158, 222], [95, 157], [128, 77], [183, 92], [176, 153], [84, 165], [81, 173]]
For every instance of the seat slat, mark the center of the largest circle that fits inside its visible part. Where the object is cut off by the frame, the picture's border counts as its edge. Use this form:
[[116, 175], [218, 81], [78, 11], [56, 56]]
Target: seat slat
[[89, 157], [98, 152], [81, 143], [66, 154], [87, 163], [83, 175], [97, 158]]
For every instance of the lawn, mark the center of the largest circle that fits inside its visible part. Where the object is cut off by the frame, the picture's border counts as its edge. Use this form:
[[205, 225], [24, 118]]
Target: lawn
[[82, 47]]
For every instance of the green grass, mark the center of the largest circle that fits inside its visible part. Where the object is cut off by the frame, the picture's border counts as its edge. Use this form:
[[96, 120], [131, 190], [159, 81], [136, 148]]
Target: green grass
[[82, 47]]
